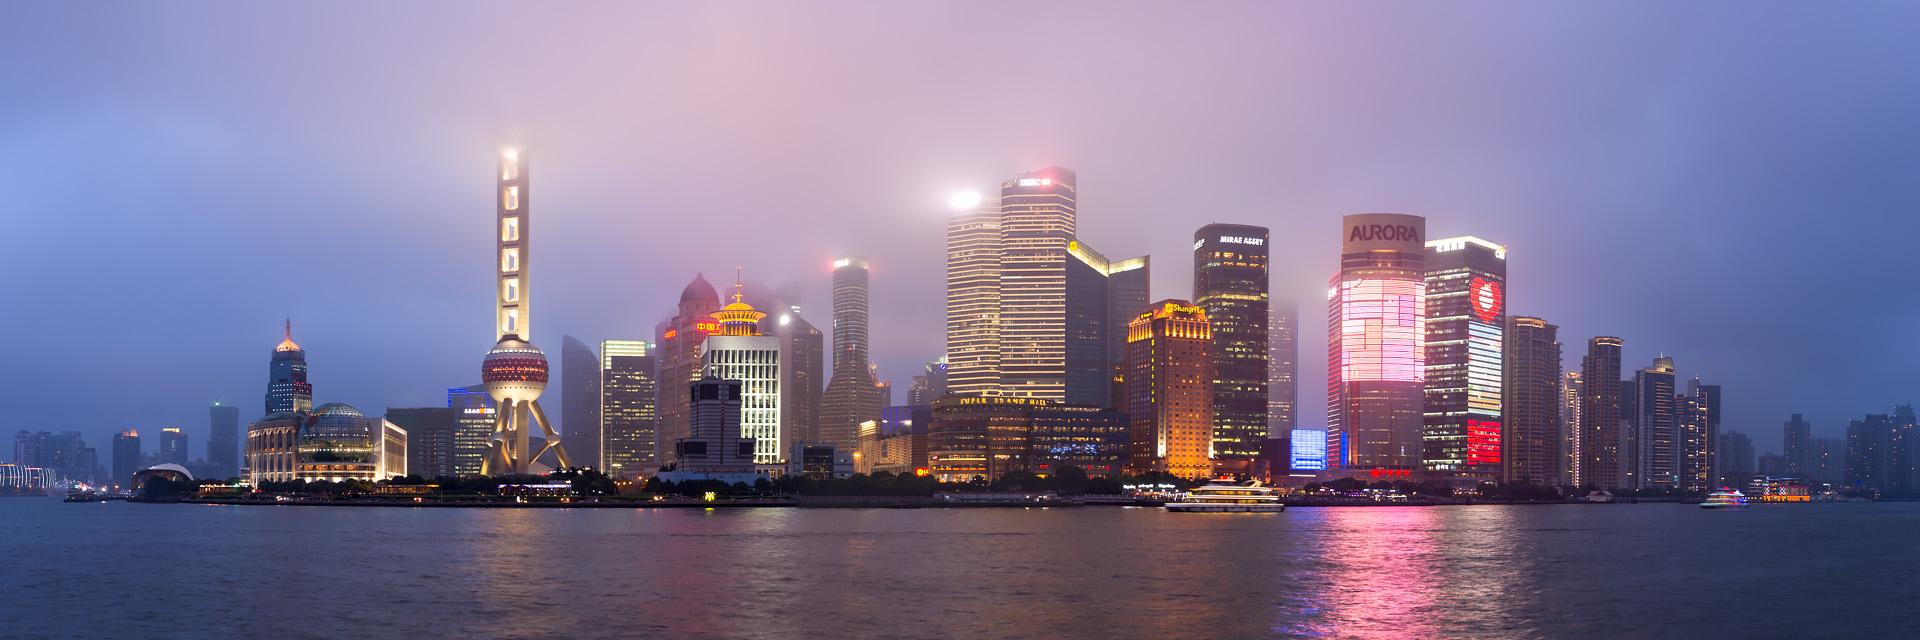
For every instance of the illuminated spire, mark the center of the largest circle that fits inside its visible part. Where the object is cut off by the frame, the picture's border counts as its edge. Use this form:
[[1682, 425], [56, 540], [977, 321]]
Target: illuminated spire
[[738, 318], [288, 345]]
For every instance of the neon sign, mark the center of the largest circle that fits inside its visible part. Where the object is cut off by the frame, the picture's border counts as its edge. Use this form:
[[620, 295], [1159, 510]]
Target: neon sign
[[1485, 296], [1244, 240]]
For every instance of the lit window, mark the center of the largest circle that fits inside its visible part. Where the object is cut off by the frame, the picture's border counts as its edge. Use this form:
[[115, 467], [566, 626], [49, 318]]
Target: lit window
[[510, 291], [510, 229], [510, 260], [512, 198], [509, 166], [513, 321]]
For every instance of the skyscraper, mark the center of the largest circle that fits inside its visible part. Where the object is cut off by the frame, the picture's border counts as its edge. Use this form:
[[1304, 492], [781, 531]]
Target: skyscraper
[[127, 459], [1602, 445], [1797, 441], [173, 446], [628, 415], [515, 371], [851, 397], [1698, 425], [1655, 426], [1466, 295], [1376, 346], [1570, 390], [736, 352], [1283, 369], [802, 358], [223, 439], [287, 388], [580, 402], [1531, 442], [473, 417], [1230, 283], [1036, 228], [1170, 391], [973, 299], [679, 343]]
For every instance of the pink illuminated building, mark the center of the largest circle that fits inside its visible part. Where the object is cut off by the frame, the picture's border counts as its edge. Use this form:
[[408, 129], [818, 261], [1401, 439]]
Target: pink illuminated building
[[1376, 344]]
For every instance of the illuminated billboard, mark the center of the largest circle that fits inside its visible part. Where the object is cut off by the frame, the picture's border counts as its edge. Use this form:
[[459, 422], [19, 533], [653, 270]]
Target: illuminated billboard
[[1382, 330], [1309, 450], [1383, 232]]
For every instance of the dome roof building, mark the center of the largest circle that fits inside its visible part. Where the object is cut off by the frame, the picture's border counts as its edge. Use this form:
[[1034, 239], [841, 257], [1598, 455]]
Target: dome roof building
[[699, 291]]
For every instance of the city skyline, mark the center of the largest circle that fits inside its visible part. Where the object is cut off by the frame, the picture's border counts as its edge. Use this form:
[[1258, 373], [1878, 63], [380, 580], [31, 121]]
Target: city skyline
[[404, 334]]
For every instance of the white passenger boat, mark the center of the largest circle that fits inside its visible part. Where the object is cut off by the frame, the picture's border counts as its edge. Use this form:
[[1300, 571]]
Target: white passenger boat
[[1725, 498], [1224, 496]]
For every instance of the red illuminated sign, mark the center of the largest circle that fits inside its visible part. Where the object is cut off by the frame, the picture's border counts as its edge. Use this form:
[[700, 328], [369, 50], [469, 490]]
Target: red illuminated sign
[[1485, 297], [708, 327], [1390, 472], [1483, 442]]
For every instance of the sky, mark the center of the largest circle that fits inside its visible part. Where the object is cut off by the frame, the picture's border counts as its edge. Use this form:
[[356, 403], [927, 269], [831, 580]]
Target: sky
[[1732, 184]]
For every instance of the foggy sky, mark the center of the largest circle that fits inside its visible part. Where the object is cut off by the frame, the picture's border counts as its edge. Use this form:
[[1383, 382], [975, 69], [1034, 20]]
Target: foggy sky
[[1731, 184]]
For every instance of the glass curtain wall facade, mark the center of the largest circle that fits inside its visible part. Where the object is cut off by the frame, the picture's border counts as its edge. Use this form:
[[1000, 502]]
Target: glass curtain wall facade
[[1376, 347], [973, 300], [628, 391], [1466, 300], [1230, 283], [1036, 227]]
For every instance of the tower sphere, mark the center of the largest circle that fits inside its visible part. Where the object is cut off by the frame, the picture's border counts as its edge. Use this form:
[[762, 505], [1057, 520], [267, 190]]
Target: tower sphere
[[514, 370]]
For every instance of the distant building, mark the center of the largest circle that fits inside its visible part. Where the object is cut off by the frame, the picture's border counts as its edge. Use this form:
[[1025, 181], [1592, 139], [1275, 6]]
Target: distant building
[[898, 443], [1230, 282], [337, 443], [1735, 460], [679, 358], [1531, 442], [430, 439], [1170, 391], [1654, 427], [1602, 442], [1283, 368], [1829, 459], [173, 447], [1797, 441], [627, 412], [1571, 394], [287, 388], [1464, 421], [822, 460], [1772, 465], [803, 377], [973, 299], [580, 402], [272, 446], [64, 454], [127, 459], [223, 441], [1376, 346], [1880, 452], [473, 419], [980, 436], [1698, 424], [851, 395], [929, 386]]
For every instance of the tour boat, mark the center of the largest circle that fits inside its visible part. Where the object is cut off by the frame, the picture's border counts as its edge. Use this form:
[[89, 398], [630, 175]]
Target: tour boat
[[1725, 498], [1224, 496]]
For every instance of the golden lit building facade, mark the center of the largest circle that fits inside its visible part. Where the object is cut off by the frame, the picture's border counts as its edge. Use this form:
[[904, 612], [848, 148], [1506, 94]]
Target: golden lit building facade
[[737, 352], [1170, 391]]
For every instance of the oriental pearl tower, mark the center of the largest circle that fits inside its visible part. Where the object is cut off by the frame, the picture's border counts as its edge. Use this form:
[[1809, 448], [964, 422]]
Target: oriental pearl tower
[[515, 371]]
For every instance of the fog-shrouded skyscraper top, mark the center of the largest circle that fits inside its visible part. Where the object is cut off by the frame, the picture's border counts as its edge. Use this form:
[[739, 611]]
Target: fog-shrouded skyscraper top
[[1230, 283], [1376, 347], [287, 388], [850, 397], [973, 297], [1037, 224]]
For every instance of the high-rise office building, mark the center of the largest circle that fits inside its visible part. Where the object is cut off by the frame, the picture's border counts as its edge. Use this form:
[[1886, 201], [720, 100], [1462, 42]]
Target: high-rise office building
[[173, 447], [1654, 427], [1170, 391], [628, 415], [736, 352], [802, 359], [1698, 425], [127, 459], [430, 438], [1602, 445], [1466, 297], [1531, 440], [473, 417], [679, 340], [851, 396], [287, 388], [1797, 441], [515, 371], [1230, 283], [1283, 369], [1376, 344], [973, 299], [223, 440], [1030, 308], [580, 402], [1570, 390]]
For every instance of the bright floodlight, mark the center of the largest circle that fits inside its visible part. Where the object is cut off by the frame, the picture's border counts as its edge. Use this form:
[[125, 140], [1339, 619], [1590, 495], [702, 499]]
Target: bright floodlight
[[965, 200]]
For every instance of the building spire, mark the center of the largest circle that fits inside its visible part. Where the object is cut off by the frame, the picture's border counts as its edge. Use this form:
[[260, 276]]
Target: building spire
[[288, 344]]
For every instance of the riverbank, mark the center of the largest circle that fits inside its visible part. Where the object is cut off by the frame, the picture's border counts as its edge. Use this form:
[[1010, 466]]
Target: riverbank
[[500, 504]]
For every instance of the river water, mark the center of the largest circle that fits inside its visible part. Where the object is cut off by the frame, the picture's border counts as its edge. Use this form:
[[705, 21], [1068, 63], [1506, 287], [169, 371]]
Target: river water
[[118, 570]]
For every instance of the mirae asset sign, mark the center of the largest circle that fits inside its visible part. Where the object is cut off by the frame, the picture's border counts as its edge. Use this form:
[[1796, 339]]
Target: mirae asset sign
[[1233, 239]]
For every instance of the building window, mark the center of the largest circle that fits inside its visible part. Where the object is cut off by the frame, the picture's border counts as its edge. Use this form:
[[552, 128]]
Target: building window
[[509, 166], [513, 321], [509, 260], [511, 198], [510, 290], [510, 229]]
